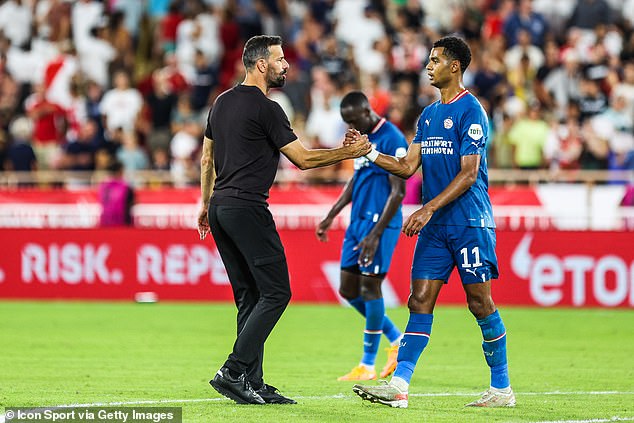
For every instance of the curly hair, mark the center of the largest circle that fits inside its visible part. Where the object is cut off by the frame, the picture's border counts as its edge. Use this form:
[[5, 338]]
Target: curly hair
[[456, 49]]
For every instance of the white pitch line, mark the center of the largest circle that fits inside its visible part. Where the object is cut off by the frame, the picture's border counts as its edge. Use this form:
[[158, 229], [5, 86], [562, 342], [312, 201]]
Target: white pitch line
[[342, 396], [611, 419]]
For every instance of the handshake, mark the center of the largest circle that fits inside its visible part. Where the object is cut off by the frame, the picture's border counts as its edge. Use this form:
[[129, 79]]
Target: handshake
[[356, 144]]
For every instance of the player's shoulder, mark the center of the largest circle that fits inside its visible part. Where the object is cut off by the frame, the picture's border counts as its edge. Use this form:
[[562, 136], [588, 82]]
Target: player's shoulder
[[470, 105]]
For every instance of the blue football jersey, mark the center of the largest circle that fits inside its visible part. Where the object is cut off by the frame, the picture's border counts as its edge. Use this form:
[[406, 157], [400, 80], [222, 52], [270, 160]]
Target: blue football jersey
[[371, 186], [445, 133]]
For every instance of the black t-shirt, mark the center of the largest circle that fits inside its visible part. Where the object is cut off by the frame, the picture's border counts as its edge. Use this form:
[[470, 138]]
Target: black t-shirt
[[248, 129]]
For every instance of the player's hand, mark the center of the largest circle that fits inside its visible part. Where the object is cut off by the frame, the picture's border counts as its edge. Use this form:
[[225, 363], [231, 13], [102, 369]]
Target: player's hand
[[417, 221], [352, 136], [368, 246], [203, 223], [322, 229], [360, 147]]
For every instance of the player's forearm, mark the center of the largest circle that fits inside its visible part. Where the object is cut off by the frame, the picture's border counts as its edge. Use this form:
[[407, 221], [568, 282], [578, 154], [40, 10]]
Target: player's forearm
[[396, 166], [323, 157], [344, 199], [458, 186], [391, 207]]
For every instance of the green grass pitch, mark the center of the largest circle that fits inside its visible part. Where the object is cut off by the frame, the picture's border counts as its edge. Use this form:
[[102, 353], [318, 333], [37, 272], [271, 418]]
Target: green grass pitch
[[565, 364]]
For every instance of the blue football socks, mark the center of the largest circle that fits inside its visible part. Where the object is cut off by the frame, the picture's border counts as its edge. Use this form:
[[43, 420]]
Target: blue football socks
[[389, 328], [413, 343], [375, 312], [494, 347]]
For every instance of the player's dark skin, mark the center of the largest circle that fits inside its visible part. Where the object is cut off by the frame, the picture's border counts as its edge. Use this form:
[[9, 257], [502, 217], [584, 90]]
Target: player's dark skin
[[353, 285], [446, 75]]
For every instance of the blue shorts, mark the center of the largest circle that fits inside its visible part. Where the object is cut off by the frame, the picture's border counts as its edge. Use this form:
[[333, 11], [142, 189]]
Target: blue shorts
[[440, 248], [358, 230]]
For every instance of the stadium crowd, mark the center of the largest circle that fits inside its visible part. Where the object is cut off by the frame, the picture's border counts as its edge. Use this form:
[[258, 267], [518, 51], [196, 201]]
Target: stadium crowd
[[86, 81]]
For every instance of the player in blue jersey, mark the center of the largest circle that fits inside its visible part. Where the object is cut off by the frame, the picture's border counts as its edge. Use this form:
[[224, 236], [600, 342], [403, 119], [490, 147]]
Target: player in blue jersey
[[375, 223], [455, 225]]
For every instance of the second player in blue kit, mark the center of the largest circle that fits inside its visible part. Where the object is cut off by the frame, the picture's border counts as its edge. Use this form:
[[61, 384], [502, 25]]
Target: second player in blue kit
[[375, 224]]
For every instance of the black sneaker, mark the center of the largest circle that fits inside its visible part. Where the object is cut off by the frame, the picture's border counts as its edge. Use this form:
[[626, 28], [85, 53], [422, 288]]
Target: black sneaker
[[271, 395], [239, 389]]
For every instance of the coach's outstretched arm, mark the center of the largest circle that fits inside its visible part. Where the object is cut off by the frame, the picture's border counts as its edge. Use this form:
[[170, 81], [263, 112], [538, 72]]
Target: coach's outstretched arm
[[304, 158]]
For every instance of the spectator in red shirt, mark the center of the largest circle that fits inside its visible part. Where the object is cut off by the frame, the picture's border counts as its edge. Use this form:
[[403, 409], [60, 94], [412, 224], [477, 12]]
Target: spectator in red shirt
[[48, 126]]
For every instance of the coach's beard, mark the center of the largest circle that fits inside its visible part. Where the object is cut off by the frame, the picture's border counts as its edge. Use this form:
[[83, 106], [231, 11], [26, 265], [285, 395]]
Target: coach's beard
[[277, 81]]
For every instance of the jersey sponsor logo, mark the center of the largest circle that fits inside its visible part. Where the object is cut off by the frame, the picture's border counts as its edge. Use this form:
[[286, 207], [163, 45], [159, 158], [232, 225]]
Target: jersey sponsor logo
[[400, 152], [475, 131], [448, 123]]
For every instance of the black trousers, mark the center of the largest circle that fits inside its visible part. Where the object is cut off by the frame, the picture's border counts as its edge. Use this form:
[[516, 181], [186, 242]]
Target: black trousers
[[253, 255]]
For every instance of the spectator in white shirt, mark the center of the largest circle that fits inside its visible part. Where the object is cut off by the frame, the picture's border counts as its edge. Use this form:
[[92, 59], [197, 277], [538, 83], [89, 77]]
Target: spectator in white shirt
[[121, 105]]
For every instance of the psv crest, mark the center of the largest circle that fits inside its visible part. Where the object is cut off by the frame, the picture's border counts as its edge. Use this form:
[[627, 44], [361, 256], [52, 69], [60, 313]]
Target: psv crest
[[448, 123]]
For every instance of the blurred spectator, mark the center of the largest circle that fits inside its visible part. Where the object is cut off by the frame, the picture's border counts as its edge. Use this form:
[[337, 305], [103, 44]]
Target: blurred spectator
[[160, 159], [501, 150], [297, 88], [131, 154], [52, 19], [79, 155], [161, 102], [528, 136], [556, 13], [116, 197], [199, 31], [592, 100], [20, 153], [493, 25], [616, 125], [182, 114], [524, 48], [167, 28], [587, 14], [85, 15], [525, 19], [76, 114], [408, 55], [564, 145], [121, 105], [96, 53], [15, 21], [521, 78], [94, 93], [59, 73], [378, 97], [625, 88], [119, 37], [205, 81], [596, 148], [49, 125], [182, 147]]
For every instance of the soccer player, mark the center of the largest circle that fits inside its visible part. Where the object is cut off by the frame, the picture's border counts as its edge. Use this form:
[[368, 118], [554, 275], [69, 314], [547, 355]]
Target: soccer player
[[455, 226], [245, 134], [375, 222]]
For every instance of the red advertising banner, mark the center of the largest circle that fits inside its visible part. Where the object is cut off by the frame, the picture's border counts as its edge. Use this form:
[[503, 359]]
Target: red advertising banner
[[543, 268]]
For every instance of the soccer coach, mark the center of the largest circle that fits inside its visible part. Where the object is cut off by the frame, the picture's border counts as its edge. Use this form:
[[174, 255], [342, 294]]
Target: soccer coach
[[245, 134]]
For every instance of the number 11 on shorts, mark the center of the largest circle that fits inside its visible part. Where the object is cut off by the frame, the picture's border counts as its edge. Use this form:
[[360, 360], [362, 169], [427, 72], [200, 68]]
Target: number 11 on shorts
[[475, 251]]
